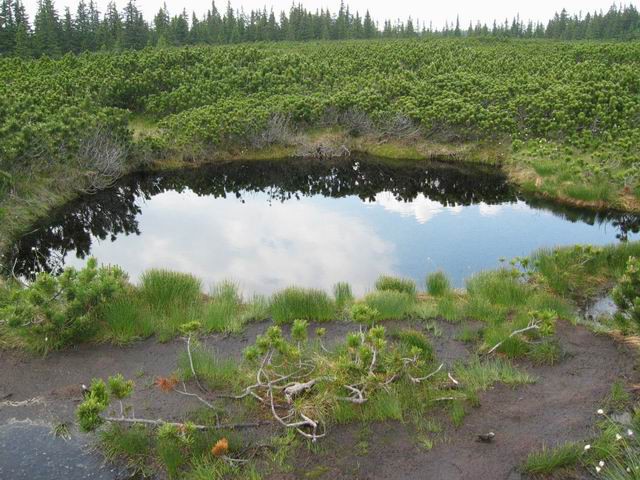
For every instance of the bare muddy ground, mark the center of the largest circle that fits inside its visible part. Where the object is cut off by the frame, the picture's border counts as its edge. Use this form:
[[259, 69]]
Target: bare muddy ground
[[559, 407]]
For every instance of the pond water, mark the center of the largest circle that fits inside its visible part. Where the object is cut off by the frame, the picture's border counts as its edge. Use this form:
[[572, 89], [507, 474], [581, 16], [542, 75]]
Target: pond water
[[271, 224]]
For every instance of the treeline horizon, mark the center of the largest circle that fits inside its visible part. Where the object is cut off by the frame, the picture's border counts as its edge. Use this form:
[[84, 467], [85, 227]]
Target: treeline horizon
[[88, 29]]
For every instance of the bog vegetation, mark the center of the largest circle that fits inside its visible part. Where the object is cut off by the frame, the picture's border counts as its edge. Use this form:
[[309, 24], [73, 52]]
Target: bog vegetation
[[563, 115]]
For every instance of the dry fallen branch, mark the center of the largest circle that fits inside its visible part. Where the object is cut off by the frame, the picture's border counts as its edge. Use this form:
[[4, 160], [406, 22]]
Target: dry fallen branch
[[297, 388], [159, 422], [356, 397], [422, 379], [531, 326]]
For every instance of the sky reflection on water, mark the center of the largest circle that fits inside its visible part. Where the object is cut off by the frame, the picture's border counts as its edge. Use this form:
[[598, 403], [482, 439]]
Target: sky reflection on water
[[314, 235]]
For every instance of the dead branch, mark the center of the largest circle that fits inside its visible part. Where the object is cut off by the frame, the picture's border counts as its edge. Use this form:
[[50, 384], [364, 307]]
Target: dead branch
[[160, 422], [356, 397], [297, 388], [193, 370], [422, 379], [196, 396], [532, 326]]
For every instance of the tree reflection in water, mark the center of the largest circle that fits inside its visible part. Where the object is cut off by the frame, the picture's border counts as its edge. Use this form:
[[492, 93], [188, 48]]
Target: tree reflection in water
[[116, 211]]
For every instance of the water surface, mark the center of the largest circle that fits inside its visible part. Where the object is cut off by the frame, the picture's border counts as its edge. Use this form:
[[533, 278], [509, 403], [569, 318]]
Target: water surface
[[271, 224]]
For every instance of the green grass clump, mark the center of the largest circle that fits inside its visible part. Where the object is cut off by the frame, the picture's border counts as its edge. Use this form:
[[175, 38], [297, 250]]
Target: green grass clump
[[383, 406], [164, 290], [414, 338], [499, 287], [207, 468], [131, 445], [512, 347], [173, 299], [343, 295], [581, 272], [390, 304], [480, 308], [396, 284], [424, 310], [211, 370], [468, 334], [222, 312], [457, 413], [596, 192], [546, 461], [298, 303], [619, 398], [127, 319], [547, 352], [438, 284], [255, 311], [451, 307], [171, 455], [481, 374]]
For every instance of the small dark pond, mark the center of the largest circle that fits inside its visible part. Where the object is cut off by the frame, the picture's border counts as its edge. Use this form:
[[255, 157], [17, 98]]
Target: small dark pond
[[271, 224]]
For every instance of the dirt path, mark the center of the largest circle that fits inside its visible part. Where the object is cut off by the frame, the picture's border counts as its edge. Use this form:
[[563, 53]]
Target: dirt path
[[559, 407]]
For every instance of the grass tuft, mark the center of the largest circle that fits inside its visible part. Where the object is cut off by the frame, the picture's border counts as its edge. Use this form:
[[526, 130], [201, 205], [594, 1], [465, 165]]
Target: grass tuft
[[215, 372], [390, 304], [547, 352], [173, 299], [343, 295], [130, 445], [396, 284], [221, 313], [481, 374], [546, 461], [127, 319], [438, 284], [165, 290], [298, 303], [256, 310], [414, 338], [499, 287]]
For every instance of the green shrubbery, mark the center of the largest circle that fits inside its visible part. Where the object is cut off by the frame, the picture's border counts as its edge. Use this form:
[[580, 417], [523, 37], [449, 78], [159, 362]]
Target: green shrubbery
[[211, 97], [55, 312]]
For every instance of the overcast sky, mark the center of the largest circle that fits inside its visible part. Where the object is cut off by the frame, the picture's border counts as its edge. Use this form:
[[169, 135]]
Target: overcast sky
[[424, 10]]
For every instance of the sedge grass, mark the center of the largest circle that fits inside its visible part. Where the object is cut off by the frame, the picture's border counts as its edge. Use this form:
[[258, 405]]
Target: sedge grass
[[295, 303], [222, 312], [548, 460], [499, 287], [127, 319], [478, 375], [438, 284], [396, 284], [164, 290], [342, 295], [390, 304], [133, 446], [213, 371]]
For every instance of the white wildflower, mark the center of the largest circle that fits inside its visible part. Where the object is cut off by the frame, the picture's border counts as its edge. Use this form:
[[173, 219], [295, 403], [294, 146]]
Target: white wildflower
[[598, 469], [600, 411], [587, 447], [601, 463], [618, 436], [630, 432]]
